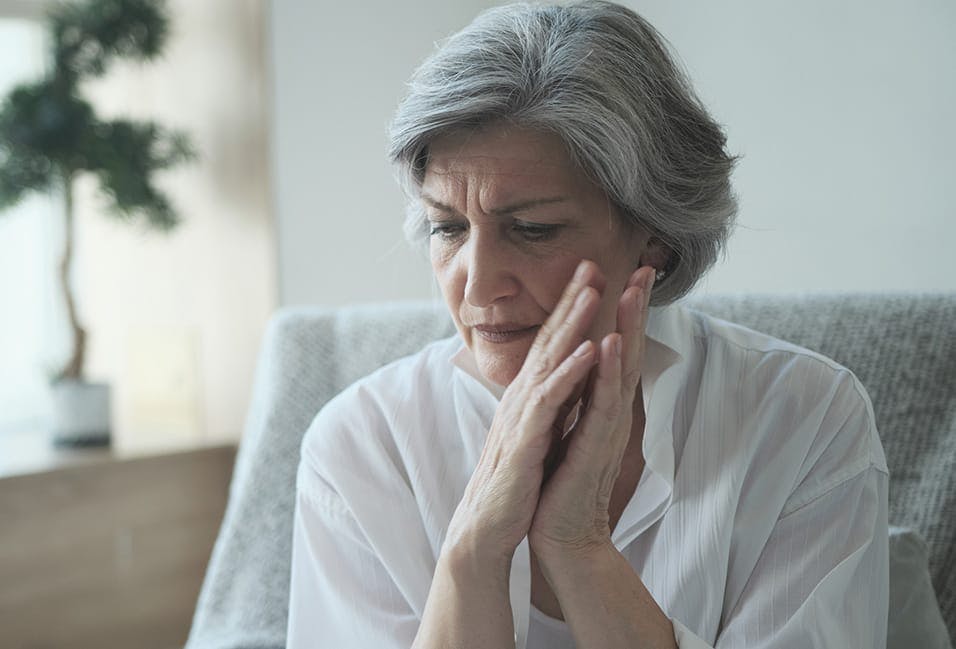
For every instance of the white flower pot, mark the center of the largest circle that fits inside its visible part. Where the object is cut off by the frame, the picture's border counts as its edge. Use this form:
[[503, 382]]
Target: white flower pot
[[81, 413]]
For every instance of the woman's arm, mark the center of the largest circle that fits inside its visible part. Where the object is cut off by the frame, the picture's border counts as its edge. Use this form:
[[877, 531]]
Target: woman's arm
[[341, 594], [821, 582], [468, 604], [604, 601]]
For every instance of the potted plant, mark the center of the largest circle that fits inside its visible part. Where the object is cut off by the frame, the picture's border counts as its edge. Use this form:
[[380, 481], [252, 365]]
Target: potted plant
[[49, 135]]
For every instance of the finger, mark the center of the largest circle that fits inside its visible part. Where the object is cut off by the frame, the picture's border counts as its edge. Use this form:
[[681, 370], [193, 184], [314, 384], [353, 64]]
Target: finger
[[547, 398], [630, 326], [581, 279], [587, 274], [560, 339], [563, 435], [568, 322], [632, 323], [644, 276], [605, 404]]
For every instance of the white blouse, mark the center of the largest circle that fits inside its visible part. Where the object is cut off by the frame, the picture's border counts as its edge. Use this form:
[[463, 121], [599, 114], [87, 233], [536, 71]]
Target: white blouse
[[760, 519]]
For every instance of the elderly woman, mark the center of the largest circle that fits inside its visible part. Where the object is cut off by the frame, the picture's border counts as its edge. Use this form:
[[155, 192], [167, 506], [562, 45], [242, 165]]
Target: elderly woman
[[585, 464]]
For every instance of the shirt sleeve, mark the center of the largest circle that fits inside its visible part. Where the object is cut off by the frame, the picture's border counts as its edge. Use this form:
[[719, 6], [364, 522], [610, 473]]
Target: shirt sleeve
[[341, 595], [815, 574], [822, 579]]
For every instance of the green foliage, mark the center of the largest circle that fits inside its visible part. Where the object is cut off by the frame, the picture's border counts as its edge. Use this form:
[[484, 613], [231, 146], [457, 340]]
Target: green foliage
[[86, 36], [48, 133], [42, 128], [124, 155]]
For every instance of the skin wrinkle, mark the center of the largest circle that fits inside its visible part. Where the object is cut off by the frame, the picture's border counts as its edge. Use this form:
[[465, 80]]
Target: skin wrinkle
[[482, 178], [499, 211]]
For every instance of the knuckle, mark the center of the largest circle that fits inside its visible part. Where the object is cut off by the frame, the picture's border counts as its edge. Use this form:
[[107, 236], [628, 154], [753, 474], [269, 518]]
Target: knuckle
[[566, 324], [615, 411], [544, 335], [631, 378], [560, 374], [611, 410], [539, 366], [539, 397]]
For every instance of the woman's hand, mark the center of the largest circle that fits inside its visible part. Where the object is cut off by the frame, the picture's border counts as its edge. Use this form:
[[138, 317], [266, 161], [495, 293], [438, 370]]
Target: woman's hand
[[504, 500], [572, 513], [502, 495]]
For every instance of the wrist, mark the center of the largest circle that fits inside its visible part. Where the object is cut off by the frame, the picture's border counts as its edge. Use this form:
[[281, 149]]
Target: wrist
[[469, 602], [602, 596], [573, 563], [572, 553], [471, 561]]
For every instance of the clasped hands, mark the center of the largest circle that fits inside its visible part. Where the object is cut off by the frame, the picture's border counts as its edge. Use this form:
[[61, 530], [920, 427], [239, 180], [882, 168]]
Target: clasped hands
[[533, 479]]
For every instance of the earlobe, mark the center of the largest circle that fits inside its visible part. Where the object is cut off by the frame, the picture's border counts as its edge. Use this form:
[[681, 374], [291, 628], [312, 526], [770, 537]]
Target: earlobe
[[658, 255]]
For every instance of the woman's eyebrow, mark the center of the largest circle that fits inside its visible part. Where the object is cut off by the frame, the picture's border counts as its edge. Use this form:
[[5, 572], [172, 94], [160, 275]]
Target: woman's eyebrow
[[506, 210]]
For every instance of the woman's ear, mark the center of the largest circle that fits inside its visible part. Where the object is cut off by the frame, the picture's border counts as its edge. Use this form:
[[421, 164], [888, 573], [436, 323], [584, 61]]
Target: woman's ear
[[656, 254]]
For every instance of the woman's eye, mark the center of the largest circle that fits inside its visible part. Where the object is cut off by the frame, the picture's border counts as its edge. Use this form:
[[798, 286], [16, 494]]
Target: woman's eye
[[447, 231], [535, 231]]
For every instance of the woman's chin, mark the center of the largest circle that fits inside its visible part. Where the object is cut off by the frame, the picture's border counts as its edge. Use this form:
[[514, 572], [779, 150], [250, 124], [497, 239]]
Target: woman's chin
[[500, 369]]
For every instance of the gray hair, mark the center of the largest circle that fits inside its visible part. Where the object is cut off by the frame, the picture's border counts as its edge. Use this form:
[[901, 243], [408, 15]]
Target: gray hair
[[598, 76]]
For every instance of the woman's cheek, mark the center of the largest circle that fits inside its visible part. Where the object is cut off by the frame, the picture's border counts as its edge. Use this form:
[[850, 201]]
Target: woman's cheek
[[560, 273], [442, 256]]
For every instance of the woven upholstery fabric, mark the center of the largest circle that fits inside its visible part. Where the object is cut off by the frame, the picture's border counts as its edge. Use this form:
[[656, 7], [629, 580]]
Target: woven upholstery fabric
[[915, 620], [308, 356], [903, 348]]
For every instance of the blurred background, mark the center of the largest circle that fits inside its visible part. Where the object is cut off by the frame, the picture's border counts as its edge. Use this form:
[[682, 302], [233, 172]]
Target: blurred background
[[174, 319], [842, 113]]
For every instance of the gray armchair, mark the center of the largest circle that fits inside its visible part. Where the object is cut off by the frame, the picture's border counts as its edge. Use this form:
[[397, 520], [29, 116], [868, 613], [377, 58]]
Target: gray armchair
[[903, 349]]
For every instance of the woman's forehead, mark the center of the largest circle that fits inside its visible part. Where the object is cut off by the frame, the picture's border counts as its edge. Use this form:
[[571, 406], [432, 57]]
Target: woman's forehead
[[501, 157], [496, 148]]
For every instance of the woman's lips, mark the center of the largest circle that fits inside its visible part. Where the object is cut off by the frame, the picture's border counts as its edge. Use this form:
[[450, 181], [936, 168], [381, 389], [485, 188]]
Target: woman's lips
[[506, 333]]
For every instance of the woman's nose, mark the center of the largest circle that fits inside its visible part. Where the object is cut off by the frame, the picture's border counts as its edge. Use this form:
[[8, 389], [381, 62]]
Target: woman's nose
[[490, 270]]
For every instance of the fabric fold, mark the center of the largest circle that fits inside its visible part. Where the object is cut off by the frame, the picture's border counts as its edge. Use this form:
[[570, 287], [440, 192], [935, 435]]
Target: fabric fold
[[520, 592]]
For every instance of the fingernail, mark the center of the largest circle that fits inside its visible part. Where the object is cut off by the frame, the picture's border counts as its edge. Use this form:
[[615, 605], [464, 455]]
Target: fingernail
[[579, 273], [582, 349], [632, 281], [617, 345]]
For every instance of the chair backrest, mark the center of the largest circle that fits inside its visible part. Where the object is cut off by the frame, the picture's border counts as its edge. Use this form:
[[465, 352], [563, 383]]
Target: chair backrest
[[308, 356], [902, 347]]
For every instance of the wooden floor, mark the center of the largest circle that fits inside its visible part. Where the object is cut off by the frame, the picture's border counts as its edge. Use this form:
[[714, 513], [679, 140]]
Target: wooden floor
[[109, 554]]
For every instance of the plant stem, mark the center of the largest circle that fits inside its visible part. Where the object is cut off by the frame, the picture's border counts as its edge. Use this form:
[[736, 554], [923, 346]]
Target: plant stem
[[74, 368]]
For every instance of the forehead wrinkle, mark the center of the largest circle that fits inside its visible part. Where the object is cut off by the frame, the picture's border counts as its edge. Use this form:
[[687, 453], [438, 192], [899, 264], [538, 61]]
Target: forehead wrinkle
[[495, 200], [491, 172], [450, 191], [491, 166]]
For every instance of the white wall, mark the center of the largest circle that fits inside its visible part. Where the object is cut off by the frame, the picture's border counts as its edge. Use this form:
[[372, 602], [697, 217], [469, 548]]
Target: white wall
[[843, 113], [339, 70]]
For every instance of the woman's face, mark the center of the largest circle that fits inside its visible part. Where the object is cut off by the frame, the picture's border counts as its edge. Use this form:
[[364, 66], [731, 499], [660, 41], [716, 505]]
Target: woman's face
[[510, 217]]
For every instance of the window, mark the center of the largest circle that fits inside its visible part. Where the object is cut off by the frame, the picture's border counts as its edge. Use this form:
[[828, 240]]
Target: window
[[33, 335]]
